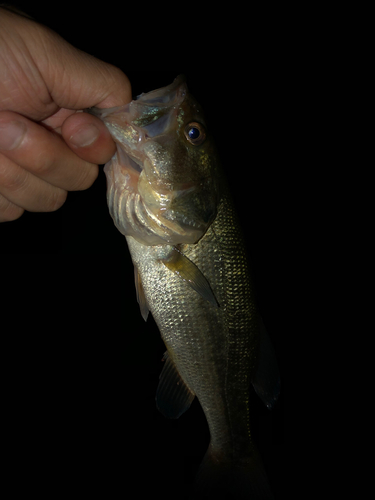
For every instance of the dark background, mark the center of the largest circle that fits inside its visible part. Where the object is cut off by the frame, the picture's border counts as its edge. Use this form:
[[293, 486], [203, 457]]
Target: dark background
[[83, 366]]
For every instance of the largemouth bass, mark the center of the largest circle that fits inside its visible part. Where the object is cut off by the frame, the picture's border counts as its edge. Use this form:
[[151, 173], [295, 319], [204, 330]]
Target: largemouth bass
[[167, 194]]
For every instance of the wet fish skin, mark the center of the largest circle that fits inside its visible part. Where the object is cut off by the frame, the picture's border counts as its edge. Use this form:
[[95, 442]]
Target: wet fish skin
[[194, 279], [211, 346]]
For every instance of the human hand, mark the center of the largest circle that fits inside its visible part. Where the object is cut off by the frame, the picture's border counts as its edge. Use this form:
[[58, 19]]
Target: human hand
[[47, 148]]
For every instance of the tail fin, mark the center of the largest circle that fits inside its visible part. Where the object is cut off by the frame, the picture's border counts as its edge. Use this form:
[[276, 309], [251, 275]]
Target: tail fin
[[223, 480]]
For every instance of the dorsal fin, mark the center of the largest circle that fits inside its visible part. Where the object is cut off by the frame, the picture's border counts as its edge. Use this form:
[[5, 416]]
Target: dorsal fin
[[173, 396], [189, 272], [266, 379]]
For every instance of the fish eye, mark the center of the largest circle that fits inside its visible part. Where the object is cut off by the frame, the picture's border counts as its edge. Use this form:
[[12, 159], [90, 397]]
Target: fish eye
[[195, 133]]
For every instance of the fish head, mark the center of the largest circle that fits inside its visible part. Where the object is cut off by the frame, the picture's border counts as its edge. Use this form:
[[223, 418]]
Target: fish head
[[163, 185]]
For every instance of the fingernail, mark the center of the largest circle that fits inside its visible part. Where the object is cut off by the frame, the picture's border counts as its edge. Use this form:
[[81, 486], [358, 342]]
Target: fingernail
[[11, 135], [84, 136]]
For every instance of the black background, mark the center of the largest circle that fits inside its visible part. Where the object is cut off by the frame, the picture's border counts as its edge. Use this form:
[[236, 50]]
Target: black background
[[83, 366]]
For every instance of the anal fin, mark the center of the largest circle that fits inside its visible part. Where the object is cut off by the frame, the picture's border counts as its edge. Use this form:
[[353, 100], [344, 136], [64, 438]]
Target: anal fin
[[173, 396]]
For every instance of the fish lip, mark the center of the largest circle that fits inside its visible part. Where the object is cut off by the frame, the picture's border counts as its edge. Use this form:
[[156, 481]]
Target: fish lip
[[148, 111], [159, 98], [129, 126], [162, 94], [131, 161]]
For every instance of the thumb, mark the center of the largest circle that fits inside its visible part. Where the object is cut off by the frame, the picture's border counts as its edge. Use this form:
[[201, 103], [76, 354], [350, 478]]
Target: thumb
[[77, 80], [51, 73]]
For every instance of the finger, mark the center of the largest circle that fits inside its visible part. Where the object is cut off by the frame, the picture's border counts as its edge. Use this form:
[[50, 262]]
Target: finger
[[43, 153], [9, 211], [58, 74], [89, 138], [78, 80], [27, 191]]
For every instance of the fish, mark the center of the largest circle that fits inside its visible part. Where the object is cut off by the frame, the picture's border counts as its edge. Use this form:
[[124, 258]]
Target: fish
[[167, 194]]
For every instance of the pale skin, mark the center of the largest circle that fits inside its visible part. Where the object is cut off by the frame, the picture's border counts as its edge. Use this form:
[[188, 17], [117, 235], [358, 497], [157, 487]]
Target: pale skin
[[47, 148]]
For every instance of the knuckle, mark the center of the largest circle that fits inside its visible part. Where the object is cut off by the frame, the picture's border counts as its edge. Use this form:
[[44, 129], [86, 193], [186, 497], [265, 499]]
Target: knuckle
[[119, 77], [56, 200], [117, 82], [13, 214], [12, 177], [42, 164], [86, 178], [8, 211]]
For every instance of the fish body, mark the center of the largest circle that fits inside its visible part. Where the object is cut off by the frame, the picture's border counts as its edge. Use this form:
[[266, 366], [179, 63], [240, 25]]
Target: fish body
[[167, 194]]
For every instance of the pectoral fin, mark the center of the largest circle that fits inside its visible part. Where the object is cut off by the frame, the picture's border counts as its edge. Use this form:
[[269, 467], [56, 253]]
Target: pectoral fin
[[189, 272], [173, 396], [141, 295]]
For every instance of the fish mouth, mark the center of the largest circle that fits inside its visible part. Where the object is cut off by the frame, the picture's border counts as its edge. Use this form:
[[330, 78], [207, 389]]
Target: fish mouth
[[148, 116], [137, 124], [130, 162], [165, 96]]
